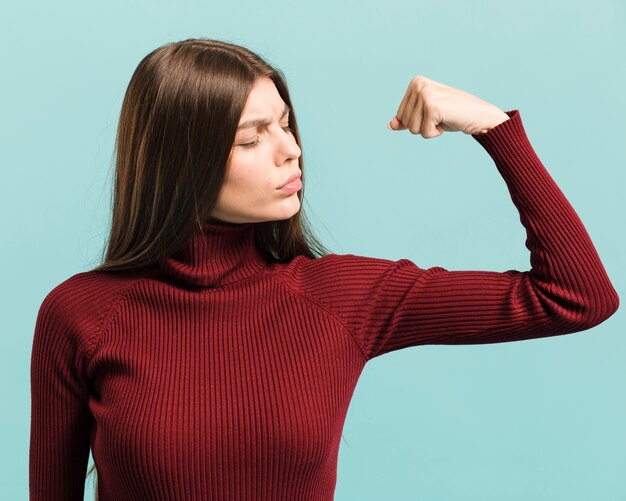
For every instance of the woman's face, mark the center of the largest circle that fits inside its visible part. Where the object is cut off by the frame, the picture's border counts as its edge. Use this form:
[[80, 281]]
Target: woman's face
[[263, 156]]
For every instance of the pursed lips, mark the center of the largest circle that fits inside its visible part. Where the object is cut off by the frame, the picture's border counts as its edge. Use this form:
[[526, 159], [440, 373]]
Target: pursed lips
[[290, 179]]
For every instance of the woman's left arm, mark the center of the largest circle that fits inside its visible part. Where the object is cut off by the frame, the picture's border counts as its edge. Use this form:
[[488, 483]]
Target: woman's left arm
[[388, 305], [567, 288]]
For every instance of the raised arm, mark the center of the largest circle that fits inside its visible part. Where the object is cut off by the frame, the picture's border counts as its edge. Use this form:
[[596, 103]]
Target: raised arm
[[566, 290], [388, 305]]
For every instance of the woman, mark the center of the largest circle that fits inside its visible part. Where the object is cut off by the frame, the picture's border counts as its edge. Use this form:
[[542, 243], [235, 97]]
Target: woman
[[214, 352]]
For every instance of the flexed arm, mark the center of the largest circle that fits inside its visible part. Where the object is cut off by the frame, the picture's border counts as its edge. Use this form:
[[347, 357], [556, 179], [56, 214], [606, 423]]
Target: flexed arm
[[388, 305], [567, 288]]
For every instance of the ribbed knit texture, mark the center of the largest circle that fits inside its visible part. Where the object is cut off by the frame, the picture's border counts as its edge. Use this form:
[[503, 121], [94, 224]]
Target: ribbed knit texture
[[218, 376]]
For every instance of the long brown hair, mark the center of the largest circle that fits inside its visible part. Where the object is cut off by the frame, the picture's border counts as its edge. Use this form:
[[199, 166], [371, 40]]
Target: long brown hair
[[176, 129]]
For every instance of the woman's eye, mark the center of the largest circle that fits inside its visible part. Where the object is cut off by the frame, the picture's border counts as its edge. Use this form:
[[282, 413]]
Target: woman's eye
[[251, 145], [254, 143]]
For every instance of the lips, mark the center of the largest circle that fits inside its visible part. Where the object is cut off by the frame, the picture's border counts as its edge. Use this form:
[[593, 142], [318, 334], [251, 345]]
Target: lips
[[290, 179]]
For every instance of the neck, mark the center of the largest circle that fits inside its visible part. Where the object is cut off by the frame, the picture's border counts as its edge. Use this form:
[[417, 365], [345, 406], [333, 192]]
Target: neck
[[220, 254]]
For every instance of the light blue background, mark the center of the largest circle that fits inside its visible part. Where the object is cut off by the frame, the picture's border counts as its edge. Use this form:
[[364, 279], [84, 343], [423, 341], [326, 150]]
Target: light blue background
[[533, 420]]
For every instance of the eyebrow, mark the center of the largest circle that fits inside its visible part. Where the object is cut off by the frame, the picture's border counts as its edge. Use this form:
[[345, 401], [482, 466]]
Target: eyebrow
[[261, 121]]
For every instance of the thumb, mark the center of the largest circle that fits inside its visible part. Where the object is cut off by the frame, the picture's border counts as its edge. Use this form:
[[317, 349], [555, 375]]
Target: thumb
[[395, 124]]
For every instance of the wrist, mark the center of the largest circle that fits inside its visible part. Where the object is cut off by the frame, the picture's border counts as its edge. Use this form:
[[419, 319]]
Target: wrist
[[500, 117]]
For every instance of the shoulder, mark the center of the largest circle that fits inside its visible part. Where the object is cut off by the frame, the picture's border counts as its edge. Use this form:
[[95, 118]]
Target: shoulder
[[340, 263], [337, 274], [88, 291], [79, 305], [328, 265]]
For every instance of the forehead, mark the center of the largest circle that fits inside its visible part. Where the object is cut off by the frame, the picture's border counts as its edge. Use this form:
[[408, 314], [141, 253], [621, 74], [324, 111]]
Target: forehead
[[264, 101]]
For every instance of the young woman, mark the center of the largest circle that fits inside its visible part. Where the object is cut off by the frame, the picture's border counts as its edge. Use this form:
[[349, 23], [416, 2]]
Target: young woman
[[214, 352]]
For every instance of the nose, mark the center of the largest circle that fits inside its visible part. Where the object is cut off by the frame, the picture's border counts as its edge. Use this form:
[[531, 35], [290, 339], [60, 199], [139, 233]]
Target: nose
[[288, 147]]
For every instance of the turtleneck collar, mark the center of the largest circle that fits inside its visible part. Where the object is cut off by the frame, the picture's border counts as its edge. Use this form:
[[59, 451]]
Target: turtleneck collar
[[220, 254]]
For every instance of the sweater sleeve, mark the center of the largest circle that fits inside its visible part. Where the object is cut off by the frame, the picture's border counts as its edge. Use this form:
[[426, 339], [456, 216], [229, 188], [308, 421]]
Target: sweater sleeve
[[388, 305], [60, 416]]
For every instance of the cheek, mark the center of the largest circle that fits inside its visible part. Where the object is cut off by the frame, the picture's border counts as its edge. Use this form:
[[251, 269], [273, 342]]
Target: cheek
[[248, 178]]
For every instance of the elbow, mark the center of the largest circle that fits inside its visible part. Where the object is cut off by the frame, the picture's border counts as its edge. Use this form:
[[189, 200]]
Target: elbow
[[614, 302], [598, 306], [578, 310], [610, 302], [576, 307]]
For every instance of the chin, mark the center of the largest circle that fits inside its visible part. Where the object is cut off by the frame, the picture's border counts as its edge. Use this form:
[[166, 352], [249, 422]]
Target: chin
[[288, 212], [286, 209]]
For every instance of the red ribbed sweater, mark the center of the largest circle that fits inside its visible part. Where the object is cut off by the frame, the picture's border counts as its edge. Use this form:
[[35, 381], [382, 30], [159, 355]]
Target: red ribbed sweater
[[219, 376]]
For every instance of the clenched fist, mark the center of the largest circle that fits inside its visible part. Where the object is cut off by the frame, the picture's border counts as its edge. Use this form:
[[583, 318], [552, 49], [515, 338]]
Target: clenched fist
[[429, 108]]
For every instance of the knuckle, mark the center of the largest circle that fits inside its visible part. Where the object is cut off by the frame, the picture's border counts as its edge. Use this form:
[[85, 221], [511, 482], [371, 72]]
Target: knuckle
[[427, 107], [421, 80], [427, 94], [418, 82]]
